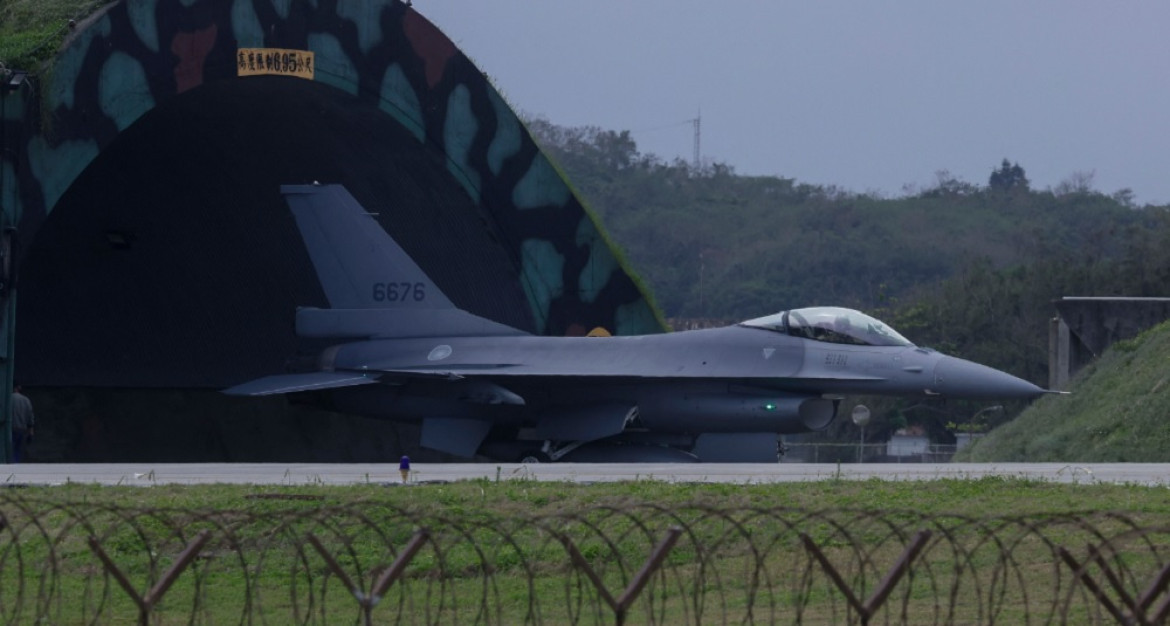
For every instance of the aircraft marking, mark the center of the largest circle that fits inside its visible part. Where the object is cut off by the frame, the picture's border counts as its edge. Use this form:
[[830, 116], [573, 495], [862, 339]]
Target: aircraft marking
[[836, 359], [768, 352], [399, 292], [440, 352]]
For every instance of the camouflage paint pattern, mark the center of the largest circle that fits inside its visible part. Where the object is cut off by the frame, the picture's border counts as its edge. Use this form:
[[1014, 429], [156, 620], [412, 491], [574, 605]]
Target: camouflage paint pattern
[[133, 56]]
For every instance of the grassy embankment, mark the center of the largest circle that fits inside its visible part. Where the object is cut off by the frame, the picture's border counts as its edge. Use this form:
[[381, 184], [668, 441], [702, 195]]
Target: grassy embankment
[[31, 31], [1117, 412], [526, 561]]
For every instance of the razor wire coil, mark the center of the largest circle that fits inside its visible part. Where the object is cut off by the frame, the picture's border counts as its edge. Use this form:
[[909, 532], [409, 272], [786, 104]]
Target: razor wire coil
[[377, 563]]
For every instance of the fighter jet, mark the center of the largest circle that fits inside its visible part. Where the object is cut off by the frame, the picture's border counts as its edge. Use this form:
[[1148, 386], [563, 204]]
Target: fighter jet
[[480, 388]]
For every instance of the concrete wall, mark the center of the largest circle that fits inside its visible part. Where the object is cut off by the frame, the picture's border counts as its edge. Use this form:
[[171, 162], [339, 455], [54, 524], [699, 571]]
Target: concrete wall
[[1087, 326]]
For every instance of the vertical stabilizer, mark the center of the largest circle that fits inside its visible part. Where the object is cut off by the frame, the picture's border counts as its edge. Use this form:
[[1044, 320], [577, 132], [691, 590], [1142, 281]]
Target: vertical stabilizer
[[359, 265]]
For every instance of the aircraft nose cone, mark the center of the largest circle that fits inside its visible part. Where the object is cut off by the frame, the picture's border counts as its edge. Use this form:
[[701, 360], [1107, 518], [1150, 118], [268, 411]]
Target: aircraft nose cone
[[956, 377]]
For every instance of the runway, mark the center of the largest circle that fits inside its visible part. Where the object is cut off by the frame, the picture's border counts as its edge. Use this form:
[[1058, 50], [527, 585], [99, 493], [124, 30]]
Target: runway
[[146, 474]]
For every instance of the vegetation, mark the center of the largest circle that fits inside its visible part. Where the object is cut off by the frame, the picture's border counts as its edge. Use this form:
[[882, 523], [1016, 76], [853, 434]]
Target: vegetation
[[260, 548], [480, 500], [1116, 413], [31, 31], [714, 244]]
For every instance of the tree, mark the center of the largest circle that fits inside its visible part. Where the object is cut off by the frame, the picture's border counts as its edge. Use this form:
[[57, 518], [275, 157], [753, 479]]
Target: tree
[[949, 185], [1008, 177], [1079, 182], [1125, 197]]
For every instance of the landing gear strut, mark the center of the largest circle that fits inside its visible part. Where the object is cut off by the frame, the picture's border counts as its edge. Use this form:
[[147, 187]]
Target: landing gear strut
[[550, 451]]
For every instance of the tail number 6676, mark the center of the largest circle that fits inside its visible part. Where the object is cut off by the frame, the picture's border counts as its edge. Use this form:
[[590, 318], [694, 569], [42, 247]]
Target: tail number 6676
[[399, 292]]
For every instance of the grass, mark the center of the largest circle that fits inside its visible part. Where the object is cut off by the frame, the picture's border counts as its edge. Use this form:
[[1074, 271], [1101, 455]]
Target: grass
[[495, 555], [1116, 412], [31, 31]]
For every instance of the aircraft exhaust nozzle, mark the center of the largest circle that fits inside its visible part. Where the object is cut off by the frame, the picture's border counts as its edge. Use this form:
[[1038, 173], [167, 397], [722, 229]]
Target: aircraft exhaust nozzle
[[817, 413], [964, 379]]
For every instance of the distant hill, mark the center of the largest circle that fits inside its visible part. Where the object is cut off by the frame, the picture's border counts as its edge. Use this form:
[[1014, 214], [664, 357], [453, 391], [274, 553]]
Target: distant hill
[[715, 244], [1117, 412]]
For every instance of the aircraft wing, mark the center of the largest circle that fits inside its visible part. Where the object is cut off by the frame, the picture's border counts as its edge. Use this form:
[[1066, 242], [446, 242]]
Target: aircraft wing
[[292, 383]]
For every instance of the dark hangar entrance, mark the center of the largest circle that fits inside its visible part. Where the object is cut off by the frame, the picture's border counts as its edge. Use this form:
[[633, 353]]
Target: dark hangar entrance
[[160, 263], [171, 268]]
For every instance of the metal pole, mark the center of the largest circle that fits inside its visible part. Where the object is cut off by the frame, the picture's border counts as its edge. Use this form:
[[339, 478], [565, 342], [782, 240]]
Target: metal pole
[[860, 416], [861, 448]]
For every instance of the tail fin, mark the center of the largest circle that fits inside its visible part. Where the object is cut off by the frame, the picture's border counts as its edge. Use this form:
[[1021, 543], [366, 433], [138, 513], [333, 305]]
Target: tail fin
[[374, 288], [359, 265]]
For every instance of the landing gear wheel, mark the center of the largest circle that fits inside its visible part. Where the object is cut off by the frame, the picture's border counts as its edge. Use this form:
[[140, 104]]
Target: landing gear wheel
[[532, 457]]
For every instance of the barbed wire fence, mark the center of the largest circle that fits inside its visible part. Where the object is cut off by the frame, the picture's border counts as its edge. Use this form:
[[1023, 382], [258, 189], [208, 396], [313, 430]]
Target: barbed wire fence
[[373, 563]]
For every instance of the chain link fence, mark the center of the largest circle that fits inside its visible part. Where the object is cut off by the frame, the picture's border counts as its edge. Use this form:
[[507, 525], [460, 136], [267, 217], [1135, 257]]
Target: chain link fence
[[300, 561], [882, 452]]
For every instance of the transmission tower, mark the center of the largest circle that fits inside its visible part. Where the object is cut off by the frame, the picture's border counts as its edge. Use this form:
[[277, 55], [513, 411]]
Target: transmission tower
[[697, 122]]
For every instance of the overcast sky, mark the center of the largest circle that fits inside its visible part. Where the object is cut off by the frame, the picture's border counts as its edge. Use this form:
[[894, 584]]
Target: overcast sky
[[867, 95]]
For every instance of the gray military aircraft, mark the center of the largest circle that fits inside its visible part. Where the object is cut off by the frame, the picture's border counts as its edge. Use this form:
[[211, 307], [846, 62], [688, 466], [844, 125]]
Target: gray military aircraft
[[478, 387]]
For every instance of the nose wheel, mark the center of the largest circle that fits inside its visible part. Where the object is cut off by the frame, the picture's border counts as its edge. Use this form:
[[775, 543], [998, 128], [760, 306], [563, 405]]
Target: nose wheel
[[532, 457]]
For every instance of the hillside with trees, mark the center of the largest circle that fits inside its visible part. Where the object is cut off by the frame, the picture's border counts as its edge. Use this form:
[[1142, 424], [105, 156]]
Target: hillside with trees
[[715, 244], [969, 269], [1117, 413]]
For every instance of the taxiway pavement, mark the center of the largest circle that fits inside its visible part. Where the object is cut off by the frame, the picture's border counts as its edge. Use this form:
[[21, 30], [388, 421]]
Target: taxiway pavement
[[1155, 474]]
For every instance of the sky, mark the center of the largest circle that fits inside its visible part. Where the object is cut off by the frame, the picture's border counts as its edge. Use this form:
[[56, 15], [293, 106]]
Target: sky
[[870, 96]]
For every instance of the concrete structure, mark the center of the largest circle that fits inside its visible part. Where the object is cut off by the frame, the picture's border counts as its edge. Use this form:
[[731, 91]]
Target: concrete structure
[[1085, 327], [901, 445], [143, 172]]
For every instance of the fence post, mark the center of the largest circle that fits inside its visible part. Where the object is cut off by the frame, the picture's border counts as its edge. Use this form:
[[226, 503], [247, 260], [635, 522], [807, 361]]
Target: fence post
[[875, 601], [368, 601], [622, 605], [1139, 606], [147, 602], [1091, 584], [1157, 586]]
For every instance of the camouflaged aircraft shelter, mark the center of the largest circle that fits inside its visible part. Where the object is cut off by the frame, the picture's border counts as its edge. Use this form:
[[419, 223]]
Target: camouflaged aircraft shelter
[[142, 172]]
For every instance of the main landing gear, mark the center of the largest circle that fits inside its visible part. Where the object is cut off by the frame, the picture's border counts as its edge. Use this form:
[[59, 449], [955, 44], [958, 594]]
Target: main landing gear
[[549, 452]]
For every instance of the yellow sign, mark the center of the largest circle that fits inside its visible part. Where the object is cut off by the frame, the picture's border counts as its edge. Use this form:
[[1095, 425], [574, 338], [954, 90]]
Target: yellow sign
[[274, 62]]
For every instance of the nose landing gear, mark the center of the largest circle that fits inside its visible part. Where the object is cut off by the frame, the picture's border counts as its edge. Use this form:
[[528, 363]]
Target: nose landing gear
[[532, 457]]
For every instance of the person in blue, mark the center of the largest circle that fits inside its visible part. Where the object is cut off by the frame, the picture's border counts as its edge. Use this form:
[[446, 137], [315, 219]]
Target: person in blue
[[404, 467], [23, 422]]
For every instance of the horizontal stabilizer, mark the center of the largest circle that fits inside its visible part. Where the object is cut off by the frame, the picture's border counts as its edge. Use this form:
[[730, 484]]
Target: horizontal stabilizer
[[397, 324], [292, 383]]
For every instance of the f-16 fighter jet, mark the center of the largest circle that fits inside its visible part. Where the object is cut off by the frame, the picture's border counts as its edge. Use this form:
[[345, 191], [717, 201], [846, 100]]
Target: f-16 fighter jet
[[480, 388]]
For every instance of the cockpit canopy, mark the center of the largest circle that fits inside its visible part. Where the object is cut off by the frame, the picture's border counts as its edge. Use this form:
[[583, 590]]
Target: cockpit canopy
[[831, 324]]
